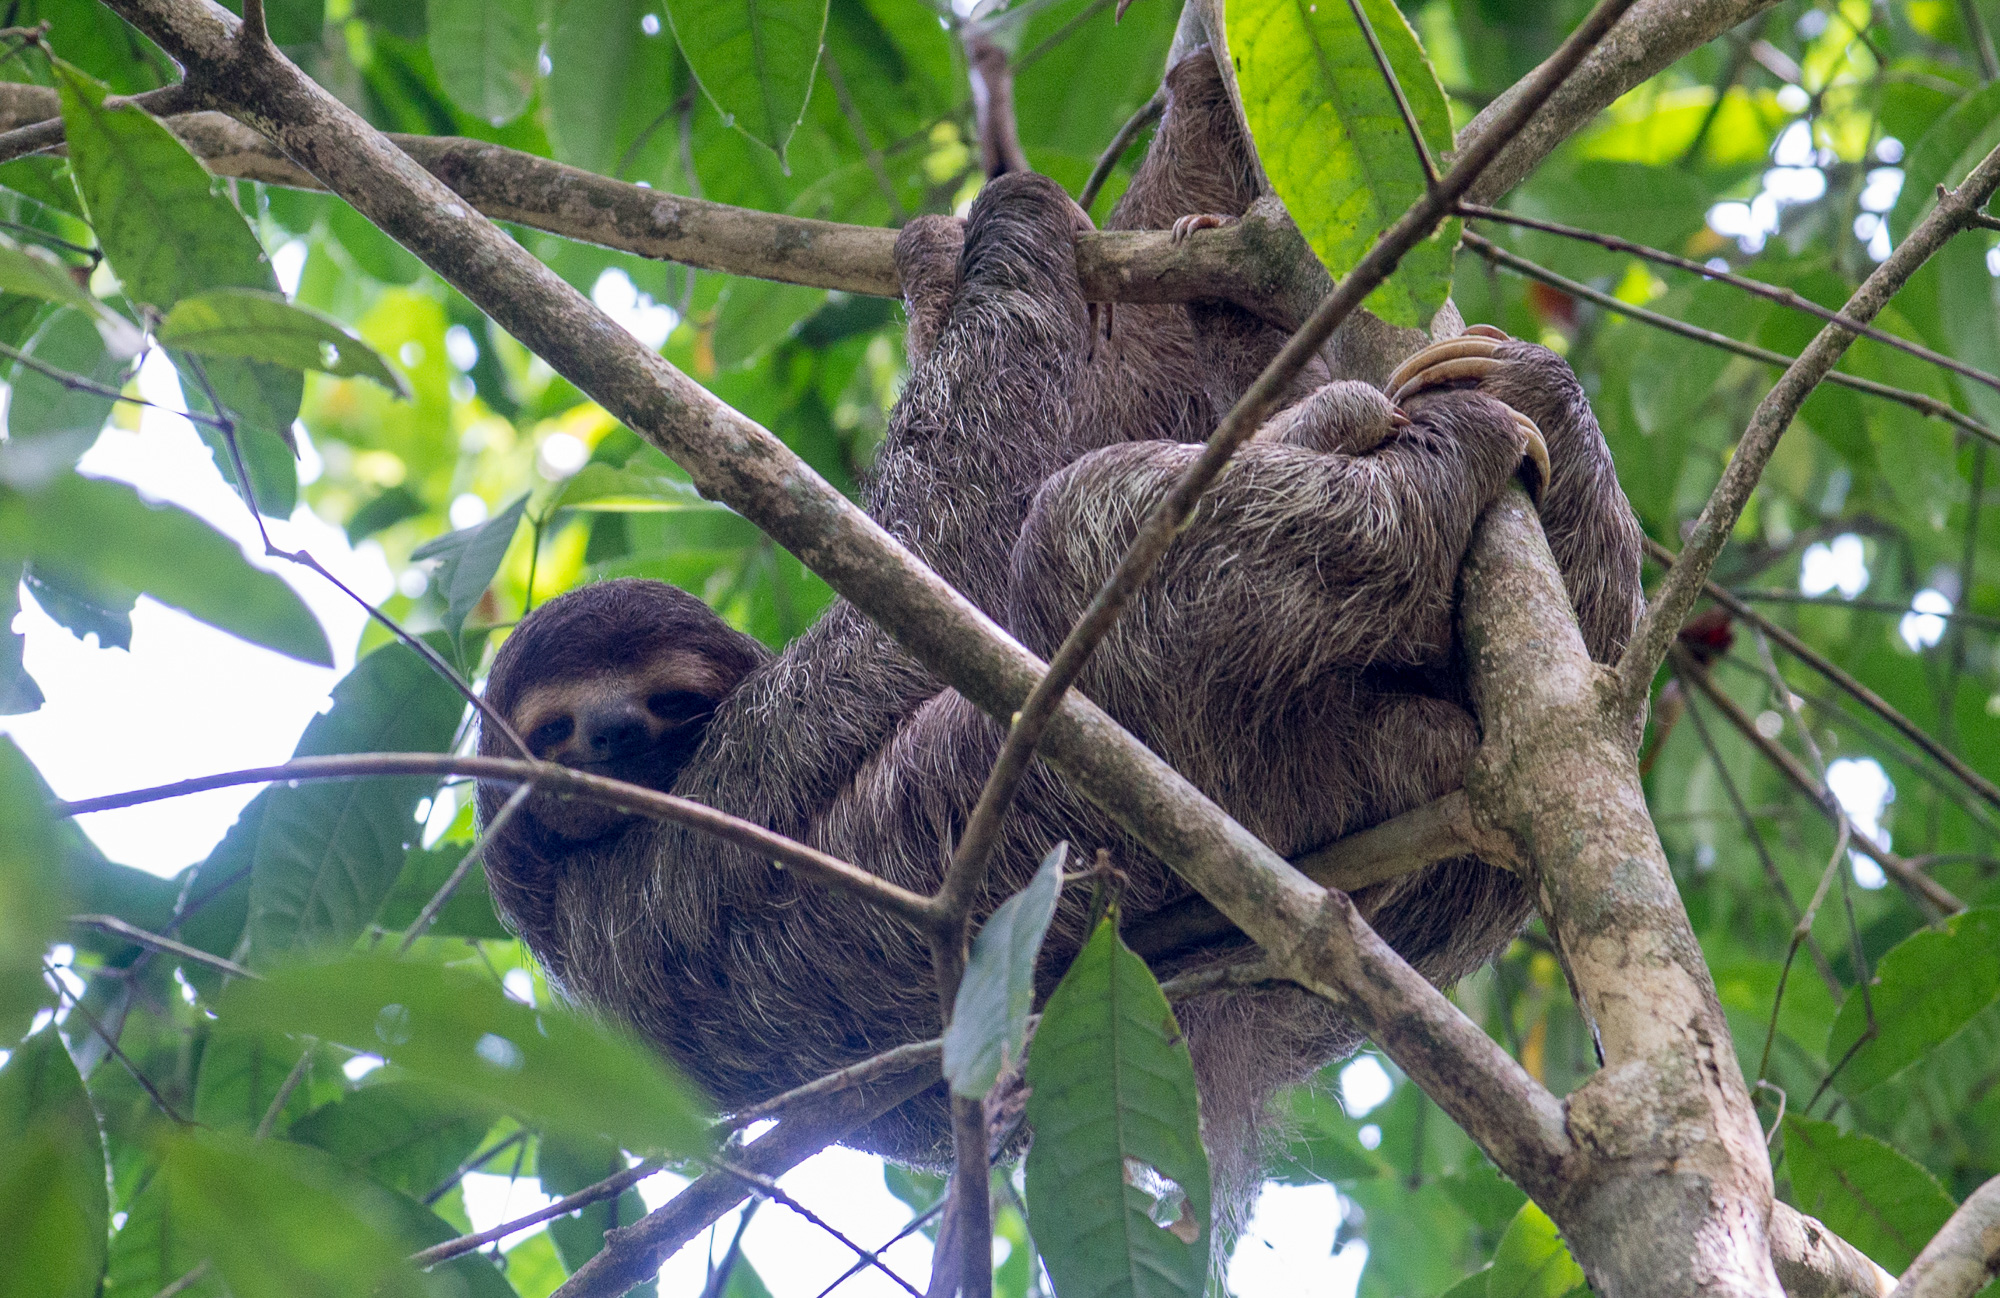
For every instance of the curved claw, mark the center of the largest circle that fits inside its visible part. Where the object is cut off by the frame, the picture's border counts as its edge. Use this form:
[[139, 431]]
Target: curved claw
[[1187, 225], [1488, 331], [1461, 348], [1535, 458], [1450, 369]]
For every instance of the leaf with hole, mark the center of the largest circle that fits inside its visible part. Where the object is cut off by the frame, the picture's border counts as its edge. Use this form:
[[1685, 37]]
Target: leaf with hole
[[1118, 1192], [989, 1019], [252, 324], [1333, 141]]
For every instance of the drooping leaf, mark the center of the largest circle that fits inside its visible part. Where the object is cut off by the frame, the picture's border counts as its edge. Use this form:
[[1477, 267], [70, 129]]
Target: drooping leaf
[[461, 1034], [1864, 1190], [52, 1188], [391, 507], [1118, 1193], [1332, 139], [36, 272], [252, 324], [989, 1019], [484, 52], [603, 488], [32, 902], [467, 560], [100, 536], [400, 1133], [756, 315], [1927, 987], [170, 233], [755, 60], [327, 852], [1532, 1260]]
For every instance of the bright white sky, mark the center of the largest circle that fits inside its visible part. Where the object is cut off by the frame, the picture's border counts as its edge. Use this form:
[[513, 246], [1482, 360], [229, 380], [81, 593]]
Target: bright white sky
[[187, 699]]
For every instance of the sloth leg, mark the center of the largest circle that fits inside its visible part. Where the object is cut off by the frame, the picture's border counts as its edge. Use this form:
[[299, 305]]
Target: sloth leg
[[927, 252]]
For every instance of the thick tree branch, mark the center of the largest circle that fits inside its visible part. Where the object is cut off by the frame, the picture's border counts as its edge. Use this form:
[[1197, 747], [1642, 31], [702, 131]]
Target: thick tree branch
[[1666, 1131], [1670, 606], [1963, 1256], [1813, 1262]]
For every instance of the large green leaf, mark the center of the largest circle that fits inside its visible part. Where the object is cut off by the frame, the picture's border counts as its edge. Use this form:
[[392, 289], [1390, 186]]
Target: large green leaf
[[240, 1078], [1927, 987], [1532, 1261], [36, 272], [754, 59], [252, 324], [484, 52], [100, 536], [32, 901], [1118, 1193], [52, 1191], [989, 1019], [610, 83], [554, 1070], [400, 1133], [468, 558], [49, 423], [1333, 142], [469, 913], [327, 852], [1866, 1192], [170, 233]]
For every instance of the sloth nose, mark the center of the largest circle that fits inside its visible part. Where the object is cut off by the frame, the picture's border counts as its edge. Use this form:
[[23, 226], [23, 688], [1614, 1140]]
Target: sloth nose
[[615, 731]]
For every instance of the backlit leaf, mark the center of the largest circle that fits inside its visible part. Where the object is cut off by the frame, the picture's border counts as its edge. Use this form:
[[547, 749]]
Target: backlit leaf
[[252, 324], [468, 558], [754, 59], [1927, 987], [989, 1020], [1866, 1192], [52, 1191]]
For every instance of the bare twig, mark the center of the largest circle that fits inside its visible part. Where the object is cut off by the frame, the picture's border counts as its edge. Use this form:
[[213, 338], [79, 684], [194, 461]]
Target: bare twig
[[1931, 406], [285, 1089], [1770, 292], [188, 1281], [1669, 607], [609, 1188], [874, 1068], [45, 134], [770, 1188], [111, 1043], [421, 924], [118, 927], [563, 782]]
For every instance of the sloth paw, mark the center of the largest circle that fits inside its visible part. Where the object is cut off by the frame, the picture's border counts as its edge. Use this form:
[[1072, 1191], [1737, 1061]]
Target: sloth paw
[[1187, 225], [1468, 360]]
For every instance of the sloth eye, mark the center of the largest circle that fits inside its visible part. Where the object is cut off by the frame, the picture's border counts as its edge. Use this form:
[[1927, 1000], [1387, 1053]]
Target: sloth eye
[[549, 734], [678, 705]]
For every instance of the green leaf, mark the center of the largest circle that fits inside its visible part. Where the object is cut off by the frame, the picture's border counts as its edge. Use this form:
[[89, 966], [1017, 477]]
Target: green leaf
[[32, 904], [37, 272], [400, 1133], [1927, 987], [392, 506], [484, 52], [279, 1220], [100, 536], [604, 488], [52, 1190], [566, 1166], [163, 223], [328, 851], [1112, 1102], [1864, 1190], [469, 913], [241, 1074], [556, 1071], [1532, 1260], [153, 1249], [755, 60], [252, 324], [467, 560], [756, 315], [1333, 142], [608, 86], [50, 425], [989, 1019], [18, 691]]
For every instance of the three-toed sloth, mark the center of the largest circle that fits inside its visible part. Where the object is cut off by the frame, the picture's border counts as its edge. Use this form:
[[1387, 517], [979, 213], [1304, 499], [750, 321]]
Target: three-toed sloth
[[1294, 656]]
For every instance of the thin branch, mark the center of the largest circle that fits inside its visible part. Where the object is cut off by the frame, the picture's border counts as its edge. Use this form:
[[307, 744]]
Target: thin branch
[[1409, 117], [1061, 34], [609, 1188], [1927, 892], [194, 1277], [1842, 680], [1982, 40], [562, 781], [285, 1089], [874, 1068], [1669, 607], [1759, 595], [508, 810], [771, 1190], [718, 1275], [78, 383], [1963, 1256], [111, 1043], [47, 133], [1107, 162], [1929, 405], [1770, 292], [119, 928]]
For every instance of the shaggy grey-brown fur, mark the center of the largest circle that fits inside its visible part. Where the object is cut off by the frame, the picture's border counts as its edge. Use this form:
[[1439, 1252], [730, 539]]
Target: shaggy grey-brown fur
[[1295, 657]]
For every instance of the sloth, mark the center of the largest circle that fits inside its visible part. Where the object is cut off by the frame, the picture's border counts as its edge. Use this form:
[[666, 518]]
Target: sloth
[[1294, 656]]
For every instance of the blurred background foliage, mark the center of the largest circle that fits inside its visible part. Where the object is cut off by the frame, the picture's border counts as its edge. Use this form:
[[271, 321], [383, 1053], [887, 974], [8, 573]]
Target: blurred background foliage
[[1795, 150]]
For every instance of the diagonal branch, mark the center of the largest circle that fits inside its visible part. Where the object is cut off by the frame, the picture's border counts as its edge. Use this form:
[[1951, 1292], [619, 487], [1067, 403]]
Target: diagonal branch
[[1963, 1256], [1670, 607]]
